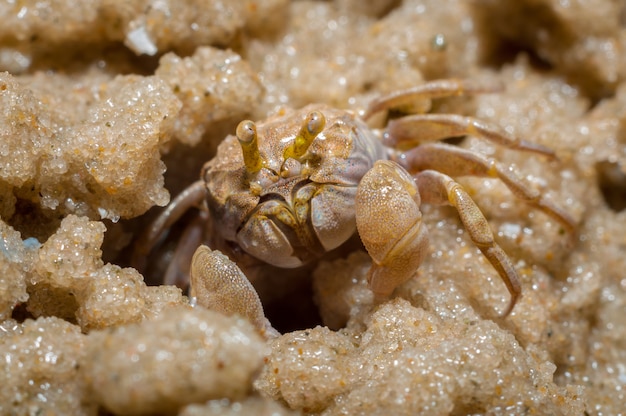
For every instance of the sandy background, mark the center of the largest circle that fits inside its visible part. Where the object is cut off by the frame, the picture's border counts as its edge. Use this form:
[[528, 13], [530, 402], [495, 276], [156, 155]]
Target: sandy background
[[108, 107]]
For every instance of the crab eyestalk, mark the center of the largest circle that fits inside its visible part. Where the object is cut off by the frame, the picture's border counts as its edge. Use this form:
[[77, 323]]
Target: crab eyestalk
[[246, 133], [312, 126]]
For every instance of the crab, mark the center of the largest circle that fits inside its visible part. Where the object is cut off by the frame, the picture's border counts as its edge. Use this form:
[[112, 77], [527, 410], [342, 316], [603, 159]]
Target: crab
[[299, 184]]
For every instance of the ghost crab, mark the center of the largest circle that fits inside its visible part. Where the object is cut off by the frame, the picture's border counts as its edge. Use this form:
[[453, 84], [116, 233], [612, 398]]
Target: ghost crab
[[299, 184]]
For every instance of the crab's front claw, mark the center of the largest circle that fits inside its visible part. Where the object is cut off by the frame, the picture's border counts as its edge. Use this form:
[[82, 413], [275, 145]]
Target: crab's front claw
[[217, 283], [388, 220]]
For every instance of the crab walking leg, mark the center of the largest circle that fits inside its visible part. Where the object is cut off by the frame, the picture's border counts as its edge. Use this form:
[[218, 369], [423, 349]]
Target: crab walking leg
[[177, 272], [410, 131], [454, 161], [389, 220], [437, 188], [191, 196], [417, 99], [217, 283]]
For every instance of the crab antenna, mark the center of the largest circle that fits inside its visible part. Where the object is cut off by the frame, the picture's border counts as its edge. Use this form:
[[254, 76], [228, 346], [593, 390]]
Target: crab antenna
[[246, 133], [312, 126]]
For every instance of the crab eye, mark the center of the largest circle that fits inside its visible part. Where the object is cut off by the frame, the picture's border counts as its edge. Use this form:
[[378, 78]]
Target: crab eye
[[246, 133], [312, 126], [315, 122]]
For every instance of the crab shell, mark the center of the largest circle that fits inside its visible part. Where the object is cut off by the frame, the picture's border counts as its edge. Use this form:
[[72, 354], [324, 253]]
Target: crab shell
[[292, 211]]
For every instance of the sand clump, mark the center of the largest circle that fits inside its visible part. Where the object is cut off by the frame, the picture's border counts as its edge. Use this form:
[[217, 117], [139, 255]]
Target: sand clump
[[107, 107]]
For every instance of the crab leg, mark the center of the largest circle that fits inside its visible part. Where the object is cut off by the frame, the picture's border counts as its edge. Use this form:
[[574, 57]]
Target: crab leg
[[417, 99], [410, 131], [191, 196], [177, 272], [437, 188], [455, 162], [387, 195]]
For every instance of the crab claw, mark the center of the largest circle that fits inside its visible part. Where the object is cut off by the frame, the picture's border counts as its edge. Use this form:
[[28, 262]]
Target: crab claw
[[387, 195], [218, 284]]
